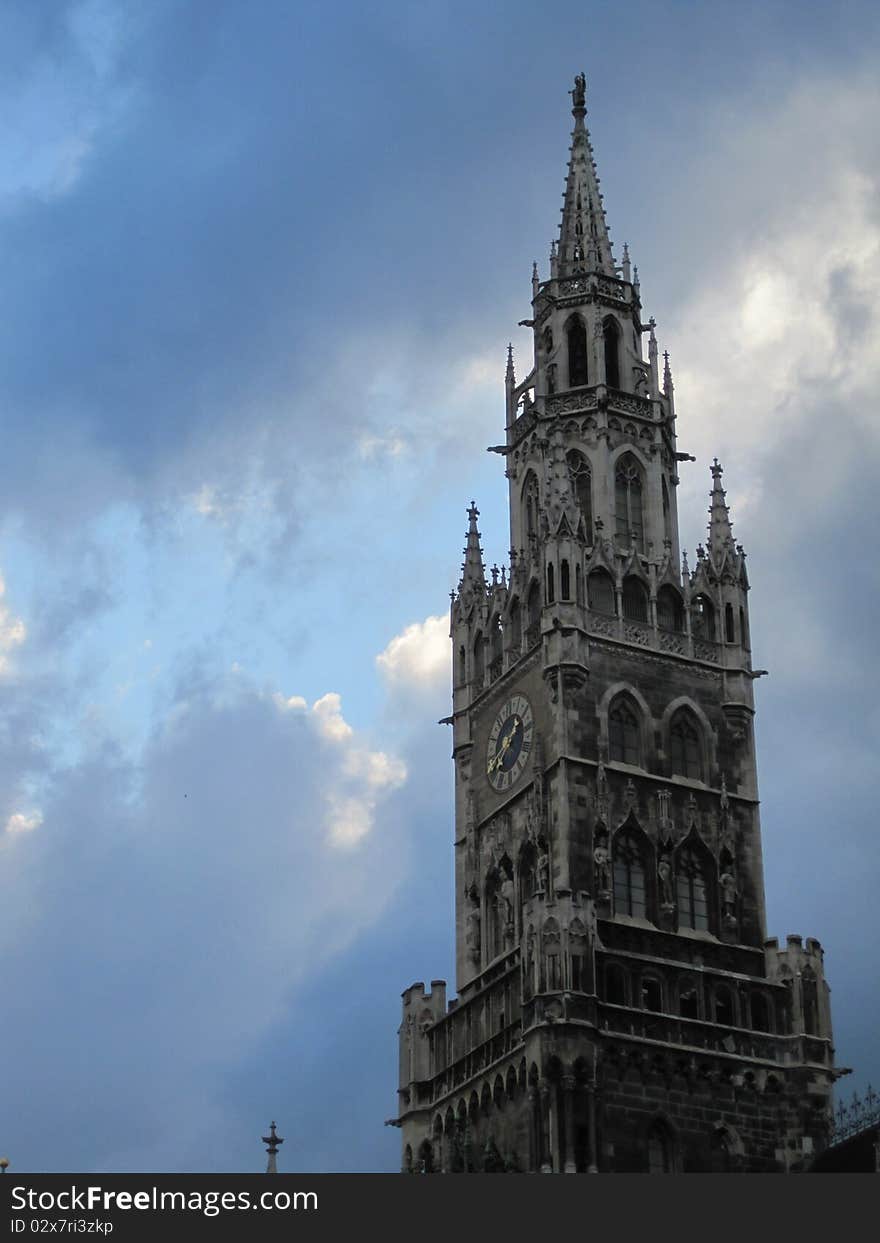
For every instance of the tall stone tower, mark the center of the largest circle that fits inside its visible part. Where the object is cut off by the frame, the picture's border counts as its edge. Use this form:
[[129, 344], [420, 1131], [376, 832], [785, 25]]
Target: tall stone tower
[[619, 1005]]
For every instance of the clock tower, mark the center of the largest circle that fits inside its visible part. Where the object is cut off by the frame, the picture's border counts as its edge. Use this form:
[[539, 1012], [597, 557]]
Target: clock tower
[[619, 1007]]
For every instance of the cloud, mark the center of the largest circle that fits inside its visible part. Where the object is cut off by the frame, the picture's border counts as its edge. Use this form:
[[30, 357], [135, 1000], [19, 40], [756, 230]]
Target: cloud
[[420, 656], [12, 631], [24, 822], [358, 777], [205, 886]]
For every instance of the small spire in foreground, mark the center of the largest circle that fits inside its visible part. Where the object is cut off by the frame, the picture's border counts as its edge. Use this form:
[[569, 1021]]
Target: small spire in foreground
[[273, 1142]]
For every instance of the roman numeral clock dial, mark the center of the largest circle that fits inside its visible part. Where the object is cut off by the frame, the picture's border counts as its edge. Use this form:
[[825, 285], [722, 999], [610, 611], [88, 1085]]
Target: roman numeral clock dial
[[510, 742]]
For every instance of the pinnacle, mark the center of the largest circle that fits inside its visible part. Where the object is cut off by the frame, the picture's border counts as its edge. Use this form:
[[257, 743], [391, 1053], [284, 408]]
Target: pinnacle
[[473, 572], [583, 234], [720, 531]]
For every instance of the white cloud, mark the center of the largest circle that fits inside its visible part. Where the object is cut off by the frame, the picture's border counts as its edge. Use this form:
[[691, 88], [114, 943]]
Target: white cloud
[[12, 631], [24, 822], [419, 656], [782, 318], [357, 777]]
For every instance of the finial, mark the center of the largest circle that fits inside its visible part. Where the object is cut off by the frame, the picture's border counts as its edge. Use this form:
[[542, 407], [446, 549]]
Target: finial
[[579, 96], [273, 1141], [536, 281], [716, 469], [635, 276], [510, 375], [625, 268]]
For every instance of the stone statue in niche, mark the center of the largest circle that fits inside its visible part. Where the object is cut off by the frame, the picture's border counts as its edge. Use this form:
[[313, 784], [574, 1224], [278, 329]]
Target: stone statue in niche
[[728, 896], [472, 934], [664, 875], [601, 862], [542, 870]]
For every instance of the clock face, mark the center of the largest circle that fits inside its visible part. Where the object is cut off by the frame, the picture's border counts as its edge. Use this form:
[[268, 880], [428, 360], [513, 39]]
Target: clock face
[[510, 742]]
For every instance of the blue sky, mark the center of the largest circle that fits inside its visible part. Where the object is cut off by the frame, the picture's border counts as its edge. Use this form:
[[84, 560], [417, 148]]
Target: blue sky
[[260, 268]]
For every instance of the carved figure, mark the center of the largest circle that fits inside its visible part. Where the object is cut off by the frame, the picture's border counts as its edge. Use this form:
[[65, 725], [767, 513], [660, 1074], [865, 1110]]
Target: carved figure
[[579, 94], [664, 872], [473, 937], [601, 869], [543, 870], [728, 896]]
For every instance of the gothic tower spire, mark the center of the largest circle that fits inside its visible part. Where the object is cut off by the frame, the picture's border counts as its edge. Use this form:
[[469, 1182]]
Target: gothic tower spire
[[720, 531], [473, 574], [584, 244]]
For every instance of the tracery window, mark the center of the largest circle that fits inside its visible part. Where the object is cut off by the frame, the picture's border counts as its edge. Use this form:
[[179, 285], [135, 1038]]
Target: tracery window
[[635, 599], [670, 610], [624, 734], [628, 503], [693, 892], [582, 487], [576, 335], [684, 740], [629, 876], [611, 334], [600, 592]]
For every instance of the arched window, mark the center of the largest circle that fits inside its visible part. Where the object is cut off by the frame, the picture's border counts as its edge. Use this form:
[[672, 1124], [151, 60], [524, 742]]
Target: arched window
[[515, 623], [624, 735], [693, 892], [670, 610], [479, 665], [615, 984], [582, 487], [530, 506], [628, 502], [462, 666], [703, 618], [728, 624], [652, 994], [629, 876], [611, 333], [684, 745], [724, 1010], [533, 612], [578, 585], [688, 1001], [760, 1012], [551, 589], [635, 599], [577, 948], [659, 1149], [552, 961], [576, 335], [600, 592], [496, 647], [667, 521], [564, 580], [743, 633]]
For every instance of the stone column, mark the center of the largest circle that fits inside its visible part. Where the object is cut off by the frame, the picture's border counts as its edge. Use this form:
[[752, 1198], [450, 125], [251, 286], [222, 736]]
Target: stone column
[[568, 1088], [593, 1159], [546, 1141]]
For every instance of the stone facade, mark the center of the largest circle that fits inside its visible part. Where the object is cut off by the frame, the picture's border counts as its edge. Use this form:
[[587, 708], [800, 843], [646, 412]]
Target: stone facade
[[619, 1007]]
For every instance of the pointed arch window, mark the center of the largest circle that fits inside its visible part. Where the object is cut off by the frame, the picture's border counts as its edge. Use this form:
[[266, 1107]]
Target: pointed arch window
[[703, 619], [530, 506], [729, 634], [515, 623], [576, 335], [628, 503], [624, 733], [635, 600], [600, 592], [670, 610], [685, 749], [564, 580], [533, 613], [479, 661], [582, 487], [551, 587], [693, 892], [667, 519], [611, 335], [629, 876]]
